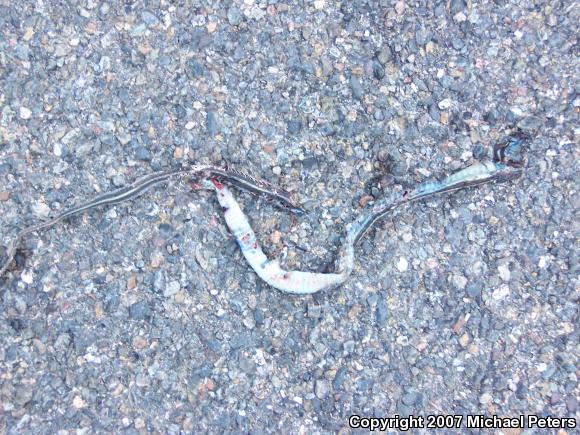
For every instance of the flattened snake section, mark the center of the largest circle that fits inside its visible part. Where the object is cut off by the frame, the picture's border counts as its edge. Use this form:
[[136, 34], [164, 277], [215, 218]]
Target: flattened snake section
[[507, 164]]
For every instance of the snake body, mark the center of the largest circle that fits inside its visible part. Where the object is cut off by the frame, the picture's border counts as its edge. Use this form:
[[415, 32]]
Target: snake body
[[293, 281], [142, 185], [506, 165]]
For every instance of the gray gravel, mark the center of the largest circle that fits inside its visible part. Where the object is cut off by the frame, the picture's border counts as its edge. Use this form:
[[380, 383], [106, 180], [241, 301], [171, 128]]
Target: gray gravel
[[144, 317]]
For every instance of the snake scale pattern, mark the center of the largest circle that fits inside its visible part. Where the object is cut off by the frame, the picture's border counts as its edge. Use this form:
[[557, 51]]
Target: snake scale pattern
[[507, 164]]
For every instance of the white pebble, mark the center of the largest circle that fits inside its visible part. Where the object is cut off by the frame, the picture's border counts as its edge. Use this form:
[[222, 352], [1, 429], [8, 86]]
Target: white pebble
[[459, 281], [504, 273], [501, 292], [171, 289], [445, 104], [402, 264], [25, 113], [459, 17], [27, 277], [542, 262], [319, 4], [485, 398], [40, 209]]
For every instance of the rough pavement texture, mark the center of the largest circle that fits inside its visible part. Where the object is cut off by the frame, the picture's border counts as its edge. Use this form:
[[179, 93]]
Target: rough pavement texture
[[145, 317]]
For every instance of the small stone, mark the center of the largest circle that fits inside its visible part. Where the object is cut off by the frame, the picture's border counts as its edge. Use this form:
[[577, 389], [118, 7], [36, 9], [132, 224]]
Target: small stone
[[139, 423], [402, 264], [385, 55], [474, 290], [249, 322], [156, 260], [459, 324], [189, 125], [457, 5], [382, 313], [400, 7], [78, 402], [409, 399], [501, 292], [211, 124], [321, 389], [172, 288], [27, 277], [294, 127], [234, 16], [124, 138], [504, 273], [464, 340], [57, 149], [459, 281], [356, 88], [4, 195], [309, 163], [141, 380], [459, 17], [131, 282], [119, 180], [209, 384], [314, 311], [211, 27], [139, 342], [485, 398], [28, 34], [364, 200], [277, 170], [178, 152], [40, 210], [431, 263], [149, 18], [275, 237], [194, 69], [25, 113], [355, 311], [378, 70], [445, 104], [571, 404], [140, 310], [61, 50]]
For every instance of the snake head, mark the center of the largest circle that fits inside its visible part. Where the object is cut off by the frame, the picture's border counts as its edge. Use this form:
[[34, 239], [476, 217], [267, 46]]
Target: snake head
[[510, 152]]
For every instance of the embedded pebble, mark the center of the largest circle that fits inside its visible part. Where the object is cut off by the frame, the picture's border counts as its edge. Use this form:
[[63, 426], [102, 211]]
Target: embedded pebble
[[501, 292], [25, 113], [504, 272], [40, 210], [459, 281], [402, 264], [171, 289]]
